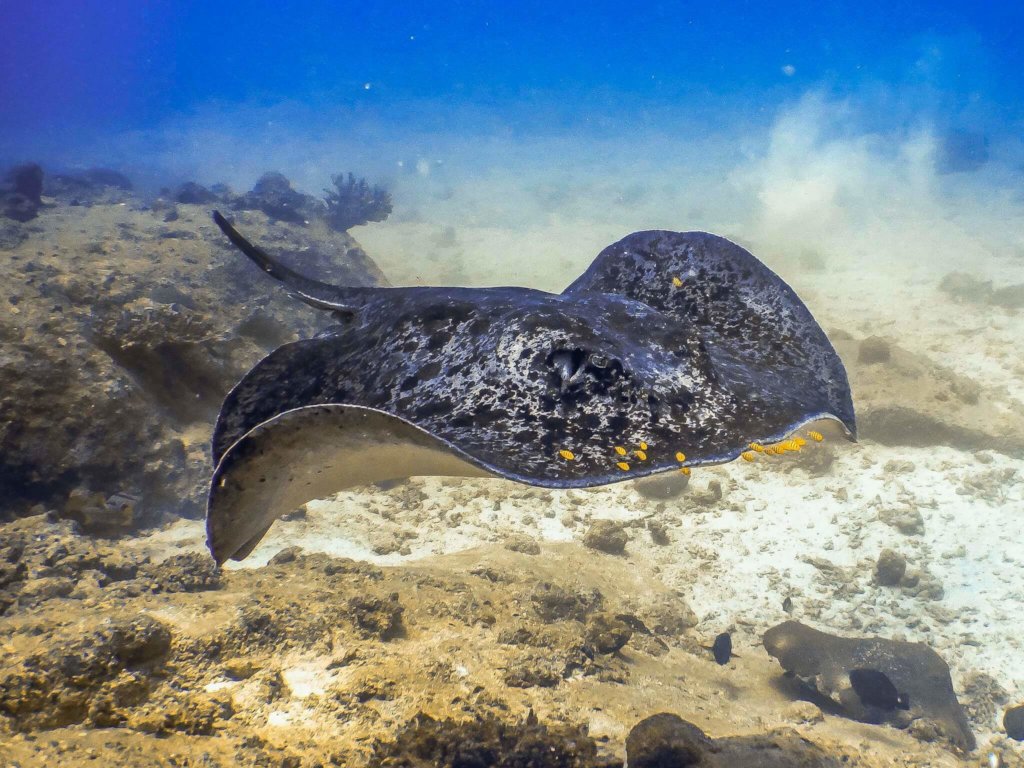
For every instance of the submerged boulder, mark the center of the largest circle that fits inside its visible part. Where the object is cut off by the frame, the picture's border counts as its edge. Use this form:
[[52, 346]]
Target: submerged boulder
[[874, 679], [21, 192], [666, 740], [95, 186], [273, 194], [118, 344]]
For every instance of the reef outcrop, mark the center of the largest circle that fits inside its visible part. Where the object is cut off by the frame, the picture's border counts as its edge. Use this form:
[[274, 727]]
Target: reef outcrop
[[874, 679], [120, 333]]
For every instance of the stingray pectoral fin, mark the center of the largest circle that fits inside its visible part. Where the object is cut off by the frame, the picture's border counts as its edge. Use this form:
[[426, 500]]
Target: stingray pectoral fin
[[310, 453], [312, 292]]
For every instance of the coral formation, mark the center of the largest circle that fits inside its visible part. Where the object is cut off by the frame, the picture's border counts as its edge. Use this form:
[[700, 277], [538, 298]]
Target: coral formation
[[20, 192], [354, 202]]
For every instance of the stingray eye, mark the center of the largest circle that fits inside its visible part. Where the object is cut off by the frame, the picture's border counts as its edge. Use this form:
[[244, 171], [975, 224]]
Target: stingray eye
[[599, 361], [566, 361]]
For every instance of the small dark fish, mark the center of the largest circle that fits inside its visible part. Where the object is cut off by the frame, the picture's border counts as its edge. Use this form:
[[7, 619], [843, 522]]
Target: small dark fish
[[875, 689], [787, 605], [722, 648]]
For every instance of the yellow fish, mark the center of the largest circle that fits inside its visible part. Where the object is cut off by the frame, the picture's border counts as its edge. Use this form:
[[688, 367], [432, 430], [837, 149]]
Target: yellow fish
[[567, 455]]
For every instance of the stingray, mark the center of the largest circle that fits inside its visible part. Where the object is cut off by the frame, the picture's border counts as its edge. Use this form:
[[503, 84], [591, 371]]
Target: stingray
[[672, 350]]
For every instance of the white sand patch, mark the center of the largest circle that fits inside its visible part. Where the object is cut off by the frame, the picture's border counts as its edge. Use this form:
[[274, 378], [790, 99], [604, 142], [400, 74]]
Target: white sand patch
[[309, 677]]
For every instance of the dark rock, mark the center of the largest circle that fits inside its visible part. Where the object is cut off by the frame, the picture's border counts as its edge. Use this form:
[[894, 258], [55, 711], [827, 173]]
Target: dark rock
[[273, 194], [66, 682], [534, 670], [20, 192], [659, 532], [485, 741], [105, 177], [983, 696], [1009, 297], [188, 572], [874, 349], [27, 181], [606, 536], [138, 640], [353, 202], [134, 357], [239, 669], [907, 520], [890, 568], [96, 514], [520, 542], [555, 603], [286, 555], [669, 616], [376, 617], [779, 749], [669, 485], [1013, 722], [666, 741], [46, 588], [964, 287], [968, 288], [191, 193], [607, 633], [825, 661], [96, 186], [710, 496]]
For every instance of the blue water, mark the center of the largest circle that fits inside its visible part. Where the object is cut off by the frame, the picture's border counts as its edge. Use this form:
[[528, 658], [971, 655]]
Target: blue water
[[81, 77]]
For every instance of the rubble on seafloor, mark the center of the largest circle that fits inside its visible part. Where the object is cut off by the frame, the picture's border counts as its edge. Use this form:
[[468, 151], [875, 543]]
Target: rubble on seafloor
[[313, 660]]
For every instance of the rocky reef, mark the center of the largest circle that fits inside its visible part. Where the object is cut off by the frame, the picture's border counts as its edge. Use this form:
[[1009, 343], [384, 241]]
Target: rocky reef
[[21, 192], [123, 322], [353, 202], [109, 656], [906, 684]]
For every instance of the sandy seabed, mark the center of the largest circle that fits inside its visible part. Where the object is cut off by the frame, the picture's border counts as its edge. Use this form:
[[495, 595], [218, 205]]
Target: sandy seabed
[[740, 548]]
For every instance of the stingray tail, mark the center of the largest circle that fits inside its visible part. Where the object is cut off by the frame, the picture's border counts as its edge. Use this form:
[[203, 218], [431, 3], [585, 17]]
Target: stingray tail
[[312, 292]]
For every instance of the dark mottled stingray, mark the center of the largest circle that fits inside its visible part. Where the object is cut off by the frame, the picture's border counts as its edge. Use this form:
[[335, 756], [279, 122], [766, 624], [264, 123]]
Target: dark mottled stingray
[[680, 340]]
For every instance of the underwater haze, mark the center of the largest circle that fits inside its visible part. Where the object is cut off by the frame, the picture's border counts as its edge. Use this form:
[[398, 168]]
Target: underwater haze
[[764, 496], [784, 123]]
